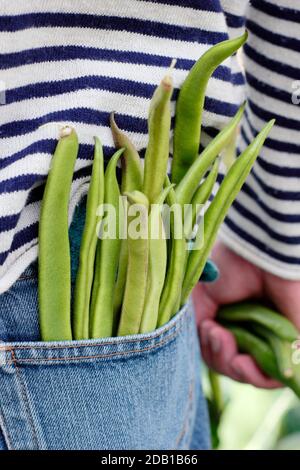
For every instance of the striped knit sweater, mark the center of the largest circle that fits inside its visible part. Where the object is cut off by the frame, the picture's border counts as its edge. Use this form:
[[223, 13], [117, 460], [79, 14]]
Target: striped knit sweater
[[74, 62]]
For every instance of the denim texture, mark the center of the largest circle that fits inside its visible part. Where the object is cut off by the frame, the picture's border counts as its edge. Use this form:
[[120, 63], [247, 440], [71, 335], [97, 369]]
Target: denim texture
[[137, 392]]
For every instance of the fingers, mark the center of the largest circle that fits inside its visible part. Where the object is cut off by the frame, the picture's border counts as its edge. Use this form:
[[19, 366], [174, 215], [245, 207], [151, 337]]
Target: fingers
[[218, 348], [220, 352], [249, 372], [234, 271]]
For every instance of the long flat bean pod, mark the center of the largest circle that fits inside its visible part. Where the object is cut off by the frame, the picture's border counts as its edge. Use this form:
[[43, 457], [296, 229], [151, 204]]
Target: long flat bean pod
[[281, 349], [158, 148], [190, 182], [107, 257], [258, 348], [190, 105], [204, 191], [257, 313], [85, 273], [157, 265], [137, 271], [172, 287], [54, 247], [265, 357], [132, 174], [218, 209], [132, 180], [121, 276]]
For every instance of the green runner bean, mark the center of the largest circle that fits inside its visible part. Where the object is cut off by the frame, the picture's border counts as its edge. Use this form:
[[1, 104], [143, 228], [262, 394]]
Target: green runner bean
[[85, 273], [282, 350], [172, 287], [190, 105], [132, 174], [204, 191], [157, 265], [121, 276], [190, 182], [218, 209], [257, 348], [158, 149], [255, 312], [102, 321], [54, 247], [264, 356], [137, 271], [132, 180]]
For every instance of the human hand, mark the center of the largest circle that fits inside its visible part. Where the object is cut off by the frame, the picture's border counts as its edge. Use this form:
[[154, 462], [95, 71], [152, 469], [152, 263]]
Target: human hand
[[240, 280]]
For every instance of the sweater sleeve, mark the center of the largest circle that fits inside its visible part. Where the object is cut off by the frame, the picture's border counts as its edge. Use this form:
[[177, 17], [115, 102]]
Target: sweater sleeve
[[263, 225], [66, 62]]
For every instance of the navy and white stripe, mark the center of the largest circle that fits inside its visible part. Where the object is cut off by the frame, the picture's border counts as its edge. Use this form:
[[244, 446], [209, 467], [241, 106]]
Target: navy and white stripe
[[264, 222], [75, 62]]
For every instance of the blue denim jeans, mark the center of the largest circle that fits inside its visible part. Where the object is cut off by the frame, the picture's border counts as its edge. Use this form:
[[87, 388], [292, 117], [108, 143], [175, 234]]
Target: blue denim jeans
[[137, 392]]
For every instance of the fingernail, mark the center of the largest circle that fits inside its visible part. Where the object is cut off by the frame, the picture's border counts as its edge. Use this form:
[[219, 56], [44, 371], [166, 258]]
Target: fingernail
[[210, 272], [215, 343]]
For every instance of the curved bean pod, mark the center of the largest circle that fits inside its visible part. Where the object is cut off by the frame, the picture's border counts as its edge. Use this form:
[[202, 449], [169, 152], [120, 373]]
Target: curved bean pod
[[218, 209], [137, 271], [189, 183], [85, 273], [258, 348], [204, 191], [158, 149], [257, 313], [264, 356], [190, 105], [107, 257], [132, 174], [280, 348], [54, 248]]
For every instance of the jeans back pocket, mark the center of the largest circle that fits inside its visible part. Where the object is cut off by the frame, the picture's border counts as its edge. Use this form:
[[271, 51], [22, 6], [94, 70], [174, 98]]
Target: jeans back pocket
[[138, 392]]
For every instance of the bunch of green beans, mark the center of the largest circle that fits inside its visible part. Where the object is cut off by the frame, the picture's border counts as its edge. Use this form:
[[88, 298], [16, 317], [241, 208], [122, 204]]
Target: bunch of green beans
[[268, 337], [128, 284]]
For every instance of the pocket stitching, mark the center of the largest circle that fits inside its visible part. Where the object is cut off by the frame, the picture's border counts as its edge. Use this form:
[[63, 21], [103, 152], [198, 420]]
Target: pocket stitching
[[177, 327], [96, 356], [25, 401]]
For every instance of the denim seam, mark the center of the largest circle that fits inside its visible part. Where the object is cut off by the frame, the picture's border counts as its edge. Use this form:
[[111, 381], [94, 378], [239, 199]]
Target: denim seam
[[5, 431], [186, 426], [178, 328], [96, 356], [25, 401]]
